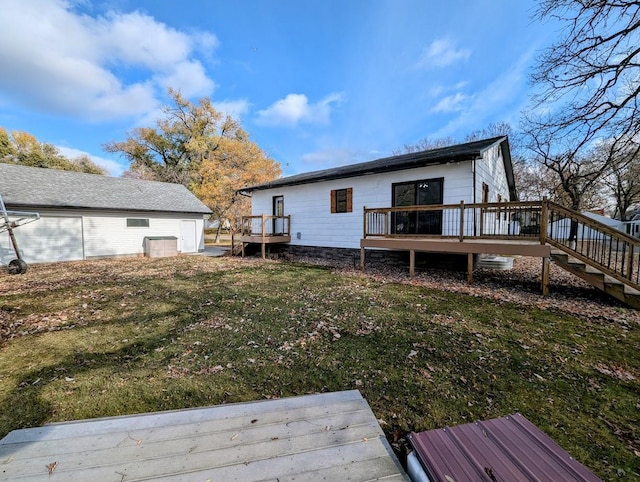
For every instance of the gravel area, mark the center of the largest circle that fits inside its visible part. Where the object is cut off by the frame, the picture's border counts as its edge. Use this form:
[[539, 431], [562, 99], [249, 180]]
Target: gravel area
[[520, 285]]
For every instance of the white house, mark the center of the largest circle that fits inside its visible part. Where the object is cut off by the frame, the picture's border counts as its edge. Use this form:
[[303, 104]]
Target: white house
[[326, 207], [85, 216]]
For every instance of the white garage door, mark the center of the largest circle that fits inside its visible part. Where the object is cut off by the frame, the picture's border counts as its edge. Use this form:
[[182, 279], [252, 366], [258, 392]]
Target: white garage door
[[49, 239]]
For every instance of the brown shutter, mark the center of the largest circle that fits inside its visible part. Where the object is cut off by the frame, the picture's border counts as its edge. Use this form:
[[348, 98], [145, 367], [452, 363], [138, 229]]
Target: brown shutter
[[333, 201], [349, 199]]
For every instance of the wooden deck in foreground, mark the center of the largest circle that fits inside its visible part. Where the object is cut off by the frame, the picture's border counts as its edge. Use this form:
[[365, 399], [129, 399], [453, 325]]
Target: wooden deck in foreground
[[332, 436]]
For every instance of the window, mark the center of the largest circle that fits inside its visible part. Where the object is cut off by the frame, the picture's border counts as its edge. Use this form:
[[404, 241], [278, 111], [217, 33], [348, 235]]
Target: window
[[137, 223], [342, 200], [417, 193], [485, 193]]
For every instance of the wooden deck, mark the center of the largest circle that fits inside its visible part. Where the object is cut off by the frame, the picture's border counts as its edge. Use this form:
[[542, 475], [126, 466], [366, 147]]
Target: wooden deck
[[332, 436], [263, 230], [468, 246]]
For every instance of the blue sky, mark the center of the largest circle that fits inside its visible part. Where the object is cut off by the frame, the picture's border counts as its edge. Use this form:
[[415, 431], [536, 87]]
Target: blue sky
[[315, 83]]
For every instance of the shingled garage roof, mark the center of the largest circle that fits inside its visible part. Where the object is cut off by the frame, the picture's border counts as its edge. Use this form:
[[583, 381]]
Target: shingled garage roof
[[458, 153], [507, 448], [26, 187]]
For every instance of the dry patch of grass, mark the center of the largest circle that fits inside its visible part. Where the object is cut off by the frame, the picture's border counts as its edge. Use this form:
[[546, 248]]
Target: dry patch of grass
[[115, 337]]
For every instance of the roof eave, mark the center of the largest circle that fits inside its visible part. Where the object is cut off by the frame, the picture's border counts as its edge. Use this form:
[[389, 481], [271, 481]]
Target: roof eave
[[97, 208], [380, 170]]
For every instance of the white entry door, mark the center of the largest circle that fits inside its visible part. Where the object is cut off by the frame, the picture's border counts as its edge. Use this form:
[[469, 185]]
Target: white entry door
[[188, 237]]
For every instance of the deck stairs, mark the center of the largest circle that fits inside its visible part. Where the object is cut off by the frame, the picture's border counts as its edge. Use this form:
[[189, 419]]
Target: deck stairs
[[236, 249], [609, 285]]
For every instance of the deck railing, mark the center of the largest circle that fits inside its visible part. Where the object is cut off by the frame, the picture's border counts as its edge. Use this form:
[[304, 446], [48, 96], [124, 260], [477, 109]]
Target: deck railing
[[484, 220], [613, 252], [265, 225]]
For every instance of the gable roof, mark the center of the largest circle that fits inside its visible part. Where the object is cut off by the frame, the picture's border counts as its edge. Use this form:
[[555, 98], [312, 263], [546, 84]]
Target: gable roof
[[458, 153], [22, 186]]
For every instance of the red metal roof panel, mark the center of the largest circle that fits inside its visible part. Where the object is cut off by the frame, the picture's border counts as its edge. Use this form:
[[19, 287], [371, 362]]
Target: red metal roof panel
[[501, 449]]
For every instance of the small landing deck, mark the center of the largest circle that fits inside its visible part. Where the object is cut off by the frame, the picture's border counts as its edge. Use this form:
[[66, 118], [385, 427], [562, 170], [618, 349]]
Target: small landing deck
[[332, 436]]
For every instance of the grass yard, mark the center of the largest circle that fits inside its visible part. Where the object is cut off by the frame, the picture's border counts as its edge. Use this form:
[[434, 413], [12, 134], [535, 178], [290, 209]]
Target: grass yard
[[113, 337]]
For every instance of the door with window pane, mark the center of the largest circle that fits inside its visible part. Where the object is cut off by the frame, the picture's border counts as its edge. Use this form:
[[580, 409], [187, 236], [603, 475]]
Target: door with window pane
[[278, 210], [417, 193]]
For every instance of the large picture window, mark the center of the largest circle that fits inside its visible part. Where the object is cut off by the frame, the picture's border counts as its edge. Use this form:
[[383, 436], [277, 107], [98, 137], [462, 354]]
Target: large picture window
[[342, 200], [417, 193]]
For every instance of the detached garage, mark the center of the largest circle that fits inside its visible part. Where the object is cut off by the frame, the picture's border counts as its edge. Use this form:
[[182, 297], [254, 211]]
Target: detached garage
[[84, 216]]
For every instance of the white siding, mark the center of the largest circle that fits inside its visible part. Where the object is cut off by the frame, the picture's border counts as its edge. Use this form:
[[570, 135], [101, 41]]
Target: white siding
[[64, 235], [51, 238], [107, 234], [310, 209], [490, 170]]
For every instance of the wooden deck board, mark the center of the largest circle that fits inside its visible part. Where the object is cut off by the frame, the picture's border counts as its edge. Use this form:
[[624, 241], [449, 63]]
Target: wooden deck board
[[475, 246], [321, 436]]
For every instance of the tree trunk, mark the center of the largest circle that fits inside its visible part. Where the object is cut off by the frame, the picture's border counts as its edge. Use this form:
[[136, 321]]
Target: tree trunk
[[573, 231], [217, 241]]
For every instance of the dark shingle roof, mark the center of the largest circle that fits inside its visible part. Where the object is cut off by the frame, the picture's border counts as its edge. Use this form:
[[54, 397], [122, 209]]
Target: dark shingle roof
[[37, 187], [457, 153]]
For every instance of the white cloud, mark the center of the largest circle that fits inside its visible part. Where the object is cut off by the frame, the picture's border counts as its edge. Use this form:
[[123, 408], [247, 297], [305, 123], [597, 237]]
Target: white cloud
[[295, 109], [451, 103], [494, 102], [441, 53], [189, 78], [234, 108], [112, 167], [58, 60]]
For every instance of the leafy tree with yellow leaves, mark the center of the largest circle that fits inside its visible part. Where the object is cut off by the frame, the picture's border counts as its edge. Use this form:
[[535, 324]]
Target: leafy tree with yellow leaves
[[24, 149], [199, 147]]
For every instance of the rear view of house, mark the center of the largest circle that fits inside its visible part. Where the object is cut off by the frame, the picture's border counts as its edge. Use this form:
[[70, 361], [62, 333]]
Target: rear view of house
[[84, 216], [325, 208]]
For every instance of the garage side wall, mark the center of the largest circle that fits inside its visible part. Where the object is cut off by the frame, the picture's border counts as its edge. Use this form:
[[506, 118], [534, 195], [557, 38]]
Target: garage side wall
[[313, 223], [71, 235], [107, 234], [56, 236]]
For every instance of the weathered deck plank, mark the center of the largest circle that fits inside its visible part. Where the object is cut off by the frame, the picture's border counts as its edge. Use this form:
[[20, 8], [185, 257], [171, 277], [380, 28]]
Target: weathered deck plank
[[325, 435]]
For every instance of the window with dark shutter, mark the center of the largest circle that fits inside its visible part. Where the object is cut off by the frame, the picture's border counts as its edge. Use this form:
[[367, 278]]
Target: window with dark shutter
[[342, 200]]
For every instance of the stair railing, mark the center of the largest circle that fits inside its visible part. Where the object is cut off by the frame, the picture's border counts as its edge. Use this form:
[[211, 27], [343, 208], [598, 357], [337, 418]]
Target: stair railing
[[610, 250]]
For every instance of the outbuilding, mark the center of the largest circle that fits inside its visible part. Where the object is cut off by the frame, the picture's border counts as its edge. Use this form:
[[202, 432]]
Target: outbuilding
[[85, 216]]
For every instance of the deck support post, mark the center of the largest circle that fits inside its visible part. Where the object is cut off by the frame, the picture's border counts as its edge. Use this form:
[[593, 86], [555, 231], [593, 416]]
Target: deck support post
[[469, 268], [243, 249], [412, 263], [545, 276], [264, 254], [461, 221], [362, 258]]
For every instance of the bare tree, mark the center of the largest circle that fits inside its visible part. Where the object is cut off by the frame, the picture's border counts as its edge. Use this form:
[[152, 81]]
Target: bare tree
[[574, 177], [588, 81], [623, 181], [590, 77], [425, 144]]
